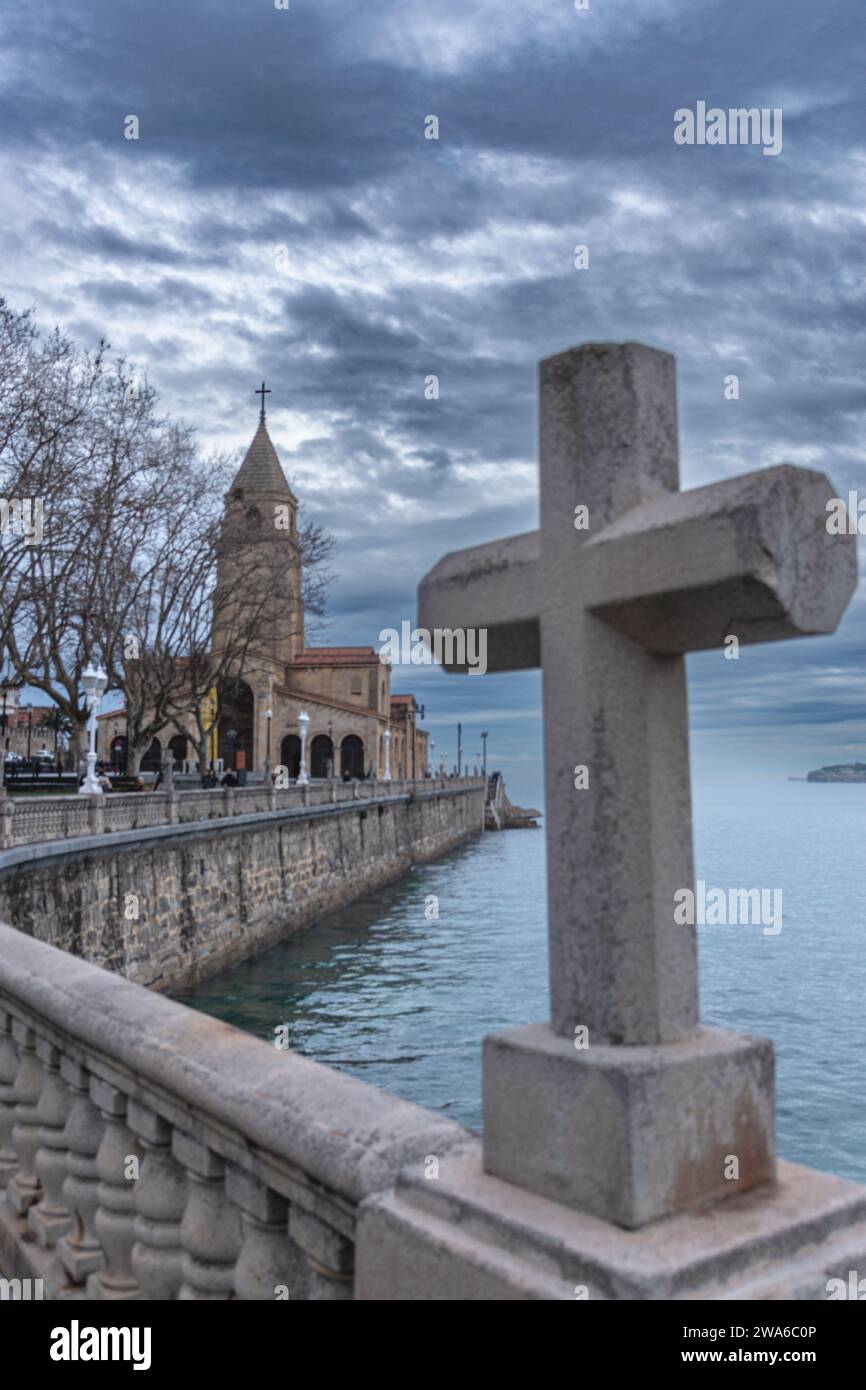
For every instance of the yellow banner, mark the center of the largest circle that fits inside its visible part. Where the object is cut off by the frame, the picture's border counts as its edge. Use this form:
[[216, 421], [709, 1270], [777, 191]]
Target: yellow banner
[[208, 715]]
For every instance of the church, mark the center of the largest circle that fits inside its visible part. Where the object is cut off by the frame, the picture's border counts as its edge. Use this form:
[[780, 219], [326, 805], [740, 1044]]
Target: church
[[357, 727]]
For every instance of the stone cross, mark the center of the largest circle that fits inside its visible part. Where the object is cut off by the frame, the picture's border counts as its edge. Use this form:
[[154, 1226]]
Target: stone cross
[[625, 576]]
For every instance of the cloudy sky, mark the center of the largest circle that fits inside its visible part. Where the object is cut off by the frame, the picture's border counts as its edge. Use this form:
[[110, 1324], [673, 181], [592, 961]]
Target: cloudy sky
[[282, 215]]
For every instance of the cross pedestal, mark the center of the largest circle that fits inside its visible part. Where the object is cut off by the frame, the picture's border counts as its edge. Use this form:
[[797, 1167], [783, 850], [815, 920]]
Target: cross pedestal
[[623, 1108]]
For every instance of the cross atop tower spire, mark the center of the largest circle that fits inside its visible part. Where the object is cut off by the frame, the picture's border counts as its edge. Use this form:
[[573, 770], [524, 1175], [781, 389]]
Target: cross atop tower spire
[[262, 391], [261, 471]]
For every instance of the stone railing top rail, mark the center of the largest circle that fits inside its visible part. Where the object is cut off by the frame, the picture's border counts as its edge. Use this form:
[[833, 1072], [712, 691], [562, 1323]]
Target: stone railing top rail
[[42, 820], [272, 1112], [365, 788]]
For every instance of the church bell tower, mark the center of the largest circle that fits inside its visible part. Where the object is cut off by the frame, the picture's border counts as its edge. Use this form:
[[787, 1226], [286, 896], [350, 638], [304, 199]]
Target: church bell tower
[[259, 566]]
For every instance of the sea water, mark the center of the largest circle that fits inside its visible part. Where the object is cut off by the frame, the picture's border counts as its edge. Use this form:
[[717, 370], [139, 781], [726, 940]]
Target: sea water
[[400, 987]]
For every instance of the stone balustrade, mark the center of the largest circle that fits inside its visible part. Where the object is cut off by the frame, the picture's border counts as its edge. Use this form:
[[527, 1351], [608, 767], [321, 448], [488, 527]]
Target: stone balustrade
[[150, 1152], [26, 820]]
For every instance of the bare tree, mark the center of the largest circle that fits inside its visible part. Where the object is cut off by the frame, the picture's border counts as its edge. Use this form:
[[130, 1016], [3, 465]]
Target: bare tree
[[127, 569], [47, 392], [104, 468]]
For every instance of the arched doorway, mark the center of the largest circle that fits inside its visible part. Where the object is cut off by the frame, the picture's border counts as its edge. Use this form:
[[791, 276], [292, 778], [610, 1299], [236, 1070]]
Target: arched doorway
[[153, 757], [290, 754], [178, 746], [352, 756], [118, 753], [235, 733], [321, 756]]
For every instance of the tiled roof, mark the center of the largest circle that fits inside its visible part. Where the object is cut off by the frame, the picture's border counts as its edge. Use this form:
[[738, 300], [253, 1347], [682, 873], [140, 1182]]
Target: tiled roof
[[337, 656], [402, 699], [261, 470]]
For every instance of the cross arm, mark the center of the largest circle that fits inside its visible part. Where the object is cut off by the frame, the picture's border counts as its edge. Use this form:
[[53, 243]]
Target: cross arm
[[496, 587], [750, 556]]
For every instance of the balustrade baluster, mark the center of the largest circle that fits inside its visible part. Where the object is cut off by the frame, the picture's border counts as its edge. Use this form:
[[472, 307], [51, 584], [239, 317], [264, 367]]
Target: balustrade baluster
[[160, 1201], [8, 1072], [24, 1187], [80, 1251], [211, 1226], [330, 1256], [268, 1261], [114, 1220], [50, 1218]]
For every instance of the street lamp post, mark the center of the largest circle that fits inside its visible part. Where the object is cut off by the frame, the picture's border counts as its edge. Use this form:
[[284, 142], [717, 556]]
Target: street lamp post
[[94, 681], [269, 714], [5, 739], [303, 726], [386, 738], [432, 757], [484, 762]]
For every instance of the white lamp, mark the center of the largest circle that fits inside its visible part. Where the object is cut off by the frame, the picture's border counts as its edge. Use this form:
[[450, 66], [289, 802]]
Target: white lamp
[[94, 681], [387, 739], [303, 725]]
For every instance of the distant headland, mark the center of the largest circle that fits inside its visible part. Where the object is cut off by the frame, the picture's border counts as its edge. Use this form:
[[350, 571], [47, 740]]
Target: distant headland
[[840, 772]]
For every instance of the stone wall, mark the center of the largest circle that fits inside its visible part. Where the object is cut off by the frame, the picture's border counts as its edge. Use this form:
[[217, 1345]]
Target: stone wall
[[166, 906]]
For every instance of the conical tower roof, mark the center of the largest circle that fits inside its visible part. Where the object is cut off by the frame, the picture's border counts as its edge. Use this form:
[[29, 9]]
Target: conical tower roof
[[261, 470]]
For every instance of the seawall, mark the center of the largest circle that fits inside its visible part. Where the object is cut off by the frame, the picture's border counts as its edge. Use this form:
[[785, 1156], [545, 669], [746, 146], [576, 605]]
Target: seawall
[[166, 906]]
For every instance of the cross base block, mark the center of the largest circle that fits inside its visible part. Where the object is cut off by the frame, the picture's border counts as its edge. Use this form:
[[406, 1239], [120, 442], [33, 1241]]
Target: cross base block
[[468, 1236], [629, 1134]]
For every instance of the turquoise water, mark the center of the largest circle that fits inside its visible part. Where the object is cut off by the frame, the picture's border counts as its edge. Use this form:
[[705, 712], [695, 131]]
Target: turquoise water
[[402, 1000]]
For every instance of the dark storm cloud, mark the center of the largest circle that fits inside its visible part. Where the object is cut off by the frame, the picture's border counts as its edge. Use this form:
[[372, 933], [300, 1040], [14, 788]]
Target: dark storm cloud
[[282, 215], [320, 316], [113, 293], [133, 254]]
